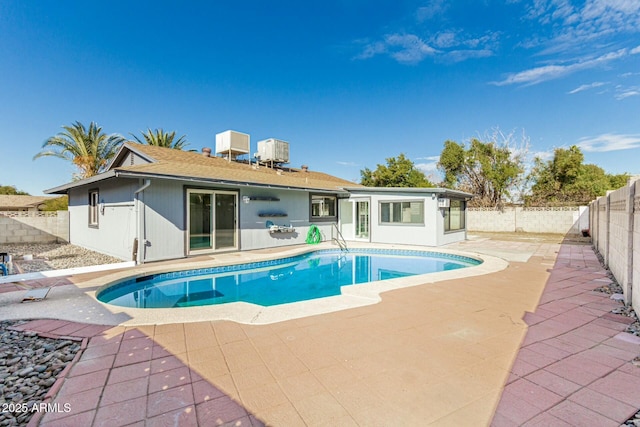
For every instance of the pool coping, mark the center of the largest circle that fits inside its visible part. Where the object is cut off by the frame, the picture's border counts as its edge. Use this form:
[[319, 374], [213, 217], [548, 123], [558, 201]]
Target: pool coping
[[86, 308]]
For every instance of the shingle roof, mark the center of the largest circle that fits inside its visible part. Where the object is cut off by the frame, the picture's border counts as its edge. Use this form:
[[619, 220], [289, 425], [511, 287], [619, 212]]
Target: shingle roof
[[173, 163], [16, 201]]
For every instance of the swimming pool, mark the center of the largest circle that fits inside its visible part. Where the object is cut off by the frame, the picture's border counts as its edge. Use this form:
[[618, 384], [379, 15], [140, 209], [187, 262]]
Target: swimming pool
[[267, 283]]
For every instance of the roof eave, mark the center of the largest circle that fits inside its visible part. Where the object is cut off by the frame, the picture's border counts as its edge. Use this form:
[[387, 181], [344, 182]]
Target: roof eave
[[434, 190], [63, 189]]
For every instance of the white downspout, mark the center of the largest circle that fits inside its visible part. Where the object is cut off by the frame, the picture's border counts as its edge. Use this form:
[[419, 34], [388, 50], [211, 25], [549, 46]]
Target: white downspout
[[140, 223]]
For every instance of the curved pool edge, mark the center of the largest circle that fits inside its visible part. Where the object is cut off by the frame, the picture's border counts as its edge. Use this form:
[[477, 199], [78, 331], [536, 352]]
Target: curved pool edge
[[114, 290], [352, 296]]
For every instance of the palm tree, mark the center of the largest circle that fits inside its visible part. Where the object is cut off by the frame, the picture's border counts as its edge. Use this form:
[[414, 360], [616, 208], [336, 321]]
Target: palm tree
[[90, 150], [160, 138]]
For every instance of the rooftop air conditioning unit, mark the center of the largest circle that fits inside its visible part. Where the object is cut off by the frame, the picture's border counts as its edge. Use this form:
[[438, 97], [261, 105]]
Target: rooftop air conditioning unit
[[273, 150], [232, 144], [444, 203]]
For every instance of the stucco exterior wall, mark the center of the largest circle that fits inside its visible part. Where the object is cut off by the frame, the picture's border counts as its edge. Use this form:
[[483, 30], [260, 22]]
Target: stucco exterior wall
[[410, 234], [162, 223], [156, 215], [295, 204], [116, 227], [165, 218]]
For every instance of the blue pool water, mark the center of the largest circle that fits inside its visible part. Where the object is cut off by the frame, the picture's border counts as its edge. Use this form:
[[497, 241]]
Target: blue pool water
[[314, 275]]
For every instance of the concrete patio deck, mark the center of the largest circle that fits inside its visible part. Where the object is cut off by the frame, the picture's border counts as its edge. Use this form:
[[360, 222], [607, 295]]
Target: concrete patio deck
[[528, 345]]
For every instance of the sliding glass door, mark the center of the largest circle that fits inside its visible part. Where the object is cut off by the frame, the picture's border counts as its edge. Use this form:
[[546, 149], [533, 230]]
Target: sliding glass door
[[225, 220], [200, 226], [211, 220]]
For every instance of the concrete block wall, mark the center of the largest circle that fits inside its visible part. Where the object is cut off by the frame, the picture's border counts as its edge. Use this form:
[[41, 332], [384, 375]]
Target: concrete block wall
[[618, 248], [492, 220], [618, 238], [603, 228], [558, 220], [594, 228], [635, 251], [34, 227]]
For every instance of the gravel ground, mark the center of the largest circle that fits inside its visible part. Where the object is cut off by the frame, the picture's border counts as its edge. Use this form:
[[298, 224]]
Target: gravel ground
[[29, 366], [53, 256]]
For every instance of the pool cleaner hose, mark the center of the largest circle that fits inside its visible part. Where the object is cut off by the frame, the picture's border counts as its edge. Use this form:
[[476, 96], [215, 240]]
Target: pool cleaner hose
[[314, 236]]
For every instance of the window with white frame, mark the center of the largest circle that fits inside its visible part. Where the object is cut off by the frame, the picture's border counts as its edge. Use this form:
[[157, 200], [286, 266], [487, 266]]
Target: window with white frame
[[454, 216], [402, 212], [323, 208], [94, 201]]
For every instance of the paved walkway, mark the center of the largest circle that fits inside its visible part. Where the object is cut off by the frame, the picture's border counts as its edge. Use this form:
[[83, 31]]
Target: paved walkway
[[447, 353], [573, 368]]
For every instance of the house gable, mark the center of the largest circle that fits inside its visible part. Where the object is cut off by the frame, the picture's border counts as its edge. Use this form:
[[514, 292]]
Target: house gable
[[128, 155]]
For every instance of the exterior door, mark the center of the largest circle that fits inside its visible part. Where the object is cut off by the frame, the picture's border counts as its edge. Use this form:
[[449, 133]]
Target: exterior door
[[225, 220], [211, 221], [362, 219]]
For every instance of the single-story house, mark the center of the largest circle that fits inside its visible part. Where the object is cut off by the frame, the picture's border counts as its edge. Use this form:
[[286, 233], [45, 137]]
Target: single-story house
[[22, 203], [156, 203]]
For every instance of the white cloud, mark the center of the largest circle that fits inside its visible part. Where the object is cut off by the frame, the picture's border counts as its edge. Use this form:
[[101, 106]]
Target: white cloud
[[574, 28], [462, 55], [543, 155], [626, 93], [347, 163], [450, 45], [430, 166], [549, 72], [586, 87], [536, 75], [371, 50], [445, 39], [609, 142], [431, 10], [404, 48], [408, 48]]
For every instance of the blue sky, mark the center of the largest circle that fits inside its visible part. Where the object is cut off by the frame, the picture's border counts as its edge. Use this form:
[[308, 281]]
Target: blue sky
[[348, 83]]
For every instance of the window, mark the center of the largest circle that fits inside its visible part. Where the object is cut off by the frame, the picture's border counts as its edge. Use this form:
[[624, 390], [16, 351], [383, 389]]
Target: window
[[402, 212], [454, 216], [323, 208], [94, 197]]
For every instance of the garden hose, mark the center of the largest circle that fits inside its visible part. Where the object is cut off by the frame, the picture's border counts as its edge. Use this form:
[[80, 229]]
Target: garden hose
[[314, 236]]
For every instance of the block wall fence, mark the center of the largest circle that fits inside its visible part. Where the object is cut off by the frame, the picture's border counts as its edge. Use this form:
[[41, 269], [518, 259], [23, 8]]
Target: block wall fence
[[556, 220], [34, 227], [616, 237]]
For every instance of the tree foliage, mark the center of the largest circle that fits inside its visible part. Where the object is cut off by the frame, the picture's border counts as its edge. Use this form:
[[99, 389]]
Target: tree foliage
[[11, 190], [58, 204], [160, 138], [565, 179], [88, 149], [488, 170], [398, 172]]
